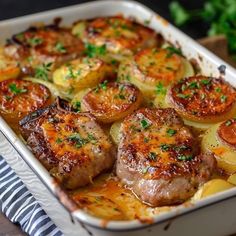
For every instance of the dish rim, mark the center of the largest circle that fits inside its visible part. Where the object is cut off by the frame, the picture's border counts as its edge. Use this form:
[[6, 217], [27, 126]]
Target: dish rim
[[49, 182]]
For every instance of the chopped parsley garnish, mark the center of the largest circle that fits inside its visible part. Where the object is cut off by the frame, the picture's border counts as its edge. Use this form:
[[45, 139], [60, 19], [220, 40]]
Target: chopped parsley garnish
[[144, 123], [152, 156], [206, 81], [171, 132], [77, 105], [173, 50], [59, 47], [193, 85], [169, 68], [59, 140], [41, 72], [165, 147], [146, 140], [79, 141], [228, 122], [203, 96], [8, 97], [160, 89], [145, 170], [35, 41], [223, 98], [93, 50], [184, 157], [14, 89], [102, 86], [218, 90], [147, 22], [184, 96], [92, 139], [70, 72]]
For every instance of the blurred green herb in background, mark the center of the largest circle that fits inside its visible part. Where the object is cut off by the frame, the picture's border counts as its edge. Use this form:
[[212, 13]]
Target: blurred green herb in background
[[219, 14]]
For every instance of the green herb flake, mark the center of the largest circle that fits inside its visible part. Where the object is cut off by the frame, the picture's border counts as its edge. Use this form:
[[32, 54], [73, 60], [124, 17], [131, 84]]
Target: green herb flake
[[183, 157], [171, 132], [41, 72], [223, 98], [165, 147], [145, 124], [103, 85], [145, 170], [35, 41], [184, 96], [93, 50], [59, 47], [173, 50], [160, 89], [77, 106], [194, 85], [152, 156], [218, 90], [8, 98], [146, 140], [15, 90], [59, 140], [228, 122], [79, 141], [206, 81], [147, 22], [70, 72]]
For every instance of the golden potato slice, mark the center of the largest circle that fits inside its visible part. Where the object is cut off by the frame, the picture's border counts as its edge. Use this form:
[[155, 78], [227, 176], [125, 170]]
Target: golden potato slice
[[211, 187], [203, 99], [76, 101], [81, 73], [115, 130], [114, 36], [110, 102], [232, 179], [9, 69], [224, 154], [151, 69]]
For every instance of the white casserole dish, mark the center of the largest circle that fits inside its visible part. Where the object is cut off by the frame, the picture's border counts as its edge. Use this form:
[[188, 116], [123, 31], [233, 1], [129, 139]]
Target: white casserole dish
[[210, 216]]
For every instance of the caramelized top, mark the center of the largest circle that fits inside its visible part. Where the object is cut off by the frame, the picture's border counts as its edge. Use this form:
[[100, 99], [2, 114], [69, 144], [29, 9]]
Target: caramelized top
[[157, 144], [202, 97], [227, 132]]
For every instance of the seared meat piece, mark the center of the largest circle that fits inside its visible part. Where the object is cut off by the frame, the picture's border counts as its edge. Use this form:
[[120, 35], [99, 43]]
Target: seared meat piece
[[47, 45], [158, 157], [72, 146]]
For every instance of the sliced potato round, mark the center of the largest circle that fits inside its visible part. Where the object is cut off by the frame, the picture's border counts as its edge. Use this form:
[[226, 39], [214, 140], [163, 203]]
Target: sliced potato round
[[119, 36], [110, 102], [20, 97], [203, 99], [76, 101], [232, 179], [212, 187], [81, 73], [115, 131], [224, 154], [152, 70], [9, 69]]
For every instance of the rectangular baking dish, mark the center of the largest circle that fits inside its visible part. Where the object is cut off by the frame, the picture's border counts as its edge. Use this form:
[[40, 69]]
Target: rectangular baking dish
[[216, 210]]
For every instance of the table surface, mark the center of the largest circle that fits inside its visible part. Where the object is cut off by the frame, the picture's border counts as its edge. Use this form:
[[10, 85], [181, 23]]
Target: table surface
[[7, 228], [23, 7]]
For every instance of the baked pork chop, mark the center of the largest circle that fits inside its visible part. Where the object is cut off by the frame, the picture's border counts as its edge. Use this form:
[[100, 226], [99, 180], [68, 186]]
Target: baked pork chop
[[158, 157], [72, 146]]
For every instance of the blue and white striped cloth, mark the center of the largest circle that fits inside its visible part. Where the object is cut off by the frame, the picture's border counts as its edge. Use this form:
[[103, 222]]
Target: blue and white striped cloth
[[18, 204]]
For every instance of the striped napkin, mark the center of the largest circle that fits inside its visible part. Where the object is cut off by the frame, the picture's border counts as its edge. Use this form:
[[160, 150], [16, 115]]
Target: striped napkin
[[19, 206]]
